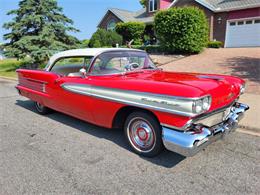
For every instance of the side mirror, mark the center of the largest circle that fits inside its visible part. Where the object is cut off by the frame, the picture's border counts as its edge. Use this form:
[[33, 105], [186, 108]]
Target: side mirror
[[83, 72]]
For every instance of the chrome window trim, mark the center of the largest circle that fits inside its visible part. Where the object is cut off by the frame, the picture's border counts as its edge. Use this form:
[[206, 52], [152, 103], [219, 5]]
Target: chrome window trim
[[121, 73], [49, 68]]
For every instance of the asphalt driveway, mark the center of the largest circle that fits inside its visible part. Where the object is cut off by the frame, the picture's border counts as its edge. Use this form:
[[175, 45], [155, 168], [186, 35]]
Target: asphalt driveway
[[58, 154], [241, 62]]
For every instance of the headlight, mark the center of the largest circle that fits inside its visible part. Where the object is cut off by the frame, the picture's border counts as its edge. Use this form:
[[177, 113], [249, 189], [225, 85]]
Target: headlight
[[201, 105], [242, 89]]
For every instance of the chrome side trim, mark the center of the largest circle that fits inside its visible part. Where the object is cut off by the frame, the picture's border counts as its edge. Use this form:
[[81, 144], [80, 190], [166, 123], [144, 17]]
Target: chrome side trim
[[191, 142], [170, 104]]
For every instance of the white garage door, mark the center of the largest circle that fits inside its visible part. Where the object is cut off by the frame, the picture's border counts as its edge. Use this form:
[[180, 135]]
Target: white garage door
[[243, 33]]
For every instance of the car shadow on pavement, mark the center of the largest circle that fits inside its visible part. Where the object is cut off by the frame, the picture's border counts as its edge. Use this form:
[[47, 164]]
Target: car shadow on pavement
[[245, 68], [166, 158]]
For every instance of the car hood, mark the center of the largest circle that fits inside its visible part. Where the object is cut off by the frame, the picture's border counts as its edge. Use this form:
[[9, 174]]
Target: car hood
[[223, 89]]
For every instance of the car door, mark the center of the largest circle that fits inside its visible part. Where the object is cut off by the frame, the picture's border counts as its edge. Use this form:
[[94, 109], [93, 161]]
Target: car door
[[66, 101]]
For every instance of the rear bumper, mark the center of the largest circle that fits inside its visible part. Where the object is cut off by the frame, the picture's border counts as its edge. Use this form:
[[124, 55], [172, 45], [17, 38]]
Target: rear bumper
[[191, 142]]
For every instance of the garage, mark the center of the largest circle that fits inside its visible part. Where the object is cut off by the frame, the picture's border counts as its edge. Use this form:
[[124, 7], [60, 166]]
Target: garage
[[243, 33]]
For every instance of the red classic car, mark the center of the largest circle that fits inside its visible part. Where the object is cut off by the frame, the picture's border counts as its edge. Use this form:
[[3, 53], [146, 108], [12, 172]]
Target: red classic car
[[122, 88]]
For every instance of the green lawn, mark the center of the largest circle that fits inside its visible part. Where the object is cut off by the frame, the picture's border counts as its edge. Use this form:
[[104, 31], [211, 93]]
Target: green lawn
[[8, 67]]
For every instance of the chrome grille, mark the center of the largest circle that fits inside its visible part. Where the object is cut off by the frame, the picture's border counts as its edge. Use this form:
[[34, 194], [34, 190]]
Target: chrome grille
[[214, 119]]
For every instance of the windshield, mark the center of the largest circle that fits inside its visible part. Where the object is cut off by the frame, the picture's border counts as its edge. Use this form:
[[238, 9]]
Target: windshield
[[121, 62]]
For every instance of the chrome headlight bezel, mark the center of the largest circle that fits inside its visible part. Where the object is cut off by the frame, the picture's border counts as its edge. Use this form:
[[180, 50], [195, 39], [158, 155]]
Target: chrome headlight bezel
[[242, 88], [201, 105]]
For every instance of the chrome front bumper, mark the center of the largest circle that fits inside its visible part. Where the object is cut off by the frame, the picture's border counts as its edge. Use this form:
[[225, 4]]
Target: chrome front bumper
[[188, 143]]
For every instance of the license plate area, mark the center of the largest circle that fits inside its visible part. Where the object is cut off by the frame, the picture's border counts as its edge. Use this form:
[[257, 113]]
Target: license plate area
[[215, 119]]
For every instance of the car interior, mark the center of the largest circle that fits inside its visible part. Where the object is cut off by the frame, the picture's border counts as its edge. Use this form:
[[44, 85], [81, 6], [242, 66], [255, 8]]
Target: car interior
[[70, 66]]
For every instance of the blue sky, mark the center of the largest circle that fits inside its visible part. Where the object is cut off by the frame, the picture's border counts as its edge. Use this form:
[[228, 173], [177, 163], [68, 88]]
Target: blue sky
[[86, 14]]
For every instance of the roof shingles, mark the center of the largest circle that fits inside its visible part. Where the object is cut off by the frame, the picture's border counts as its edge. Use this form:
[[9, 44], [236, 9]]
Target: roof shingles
[[127, 16], [222, 5]]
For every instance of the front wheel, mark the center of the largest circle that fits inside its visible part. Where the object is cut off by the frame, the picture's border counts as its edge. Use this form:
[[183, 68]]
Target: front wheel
[[144, 134], [42, 109]]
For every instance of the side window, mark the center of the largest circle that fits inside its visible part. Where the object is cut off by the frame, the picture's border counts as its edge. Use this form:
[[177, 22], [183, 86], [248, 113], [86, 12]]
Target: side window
[[70, 66], [97, 67]]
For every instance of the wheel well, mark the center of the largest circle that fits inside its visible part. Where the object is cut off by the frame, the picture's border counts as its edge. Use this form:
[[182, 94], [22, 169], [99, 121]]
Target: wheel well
[[123, 113]]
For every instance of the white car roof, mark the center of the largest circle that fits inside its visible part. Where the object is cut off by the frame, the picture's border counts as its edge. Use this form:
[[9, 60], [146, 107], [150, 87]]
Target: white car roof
[[85, 52]]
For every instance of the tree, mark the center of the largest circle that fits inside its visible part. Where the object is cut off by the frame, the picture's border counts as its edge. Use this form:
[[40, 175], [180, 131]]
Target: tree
[[143, 2], [103, 38], [38, 29], [182, 29], [84, 43], [131, 31]]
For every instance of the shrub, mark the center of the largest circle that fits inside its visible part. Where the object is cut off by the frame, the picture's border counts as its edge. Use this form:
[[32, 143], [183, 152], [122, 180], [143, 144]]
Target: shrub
[[215, 44], [103, 38], [182, 30], [9, 65], [84, 43], [150, 48], [131, 31]]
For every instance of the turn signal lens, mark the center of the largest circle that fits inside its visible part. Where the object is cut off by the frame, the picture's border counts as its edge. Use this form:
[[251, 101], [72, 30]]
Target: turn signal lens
[[242, 89]]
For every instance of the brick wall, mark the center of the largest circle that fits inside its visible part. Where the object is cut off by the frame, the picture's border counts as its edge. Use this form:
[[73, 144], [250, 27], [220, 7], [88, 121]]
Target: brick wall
[[220, 23]]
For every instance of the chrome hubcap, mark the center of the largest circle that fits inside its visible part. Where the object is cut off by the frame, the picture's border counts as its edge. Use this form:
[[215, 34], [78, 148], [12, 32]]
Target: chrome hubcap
[[39, 106], [141, 135]]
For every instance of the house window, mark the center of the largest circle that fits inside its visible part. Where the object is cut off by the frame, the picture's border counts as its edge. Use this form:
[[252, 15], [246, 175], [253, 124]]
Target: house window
[[249, 22], [111, 25], [257, 21], [153, 5], [240, 23], [232, 24]]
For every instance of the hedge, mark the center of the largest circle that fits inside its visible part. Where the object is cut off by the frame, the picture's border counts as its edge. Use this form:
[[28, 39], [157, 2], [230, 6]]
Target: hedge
[[103, 38], [182, 30], [150, 48], [131, 31], [215, 44]]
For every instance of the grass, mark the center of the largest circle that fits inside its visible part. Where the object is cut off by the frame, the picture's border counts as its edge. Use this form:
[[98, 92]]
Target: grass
[[8, 67]]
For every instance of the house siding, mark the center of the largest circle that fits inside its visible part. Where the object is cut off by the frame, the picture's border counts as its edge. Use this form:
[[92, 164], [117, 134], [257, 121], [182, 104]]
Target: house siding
[[217, 21], [248, 13], [219, 26], [164, 4], [107, 18]]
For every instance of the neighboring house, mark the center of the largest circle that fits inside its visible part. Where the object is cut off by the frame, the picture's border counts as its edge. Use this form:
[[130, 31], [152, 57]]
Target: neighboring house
[[234, 22]]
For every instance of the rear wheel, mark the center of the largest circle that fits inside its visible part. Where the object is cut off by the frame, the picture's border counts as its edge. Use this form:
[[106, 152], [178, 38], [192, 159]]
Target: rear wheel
[[42, 109], [144, 134]]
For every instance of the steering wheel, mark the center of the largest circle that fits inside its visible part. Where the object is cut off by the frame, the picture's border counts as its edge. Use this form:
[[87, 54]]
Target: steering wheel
[[131, 66]]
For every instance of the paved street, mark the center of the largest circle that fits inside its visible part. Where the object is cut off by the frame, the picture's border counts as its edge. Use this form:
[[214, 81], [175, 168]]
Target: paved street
[[58, 154]]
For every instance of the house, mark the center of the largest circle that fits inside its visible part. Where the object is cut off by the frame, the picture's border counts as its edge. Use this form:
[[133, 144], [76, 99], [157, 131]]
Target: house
[[234, 22]]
